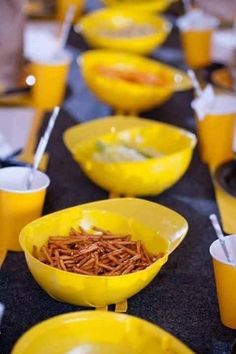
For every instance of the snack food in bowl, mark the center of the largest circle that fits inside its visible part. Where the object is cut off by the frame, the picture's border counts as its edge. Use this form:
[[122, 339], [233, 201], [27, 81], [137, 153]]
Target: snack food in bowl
[[223, 78], [124, 30], [134, 76], [130, 82], [131, 156], [120, 152], [95, 252], [160, 230], [97, 332]]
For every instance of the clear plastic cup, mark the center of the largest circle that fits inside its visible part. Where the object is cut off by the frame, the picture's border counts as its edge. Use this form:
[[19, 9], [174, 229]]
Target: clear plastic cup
[[196, 30]]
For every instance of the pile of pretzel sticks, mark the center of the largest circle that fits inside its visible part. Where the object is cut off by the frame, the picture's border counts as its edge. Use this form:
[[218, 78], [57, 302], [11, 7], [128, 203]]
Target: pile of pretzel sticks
[[98, 252]]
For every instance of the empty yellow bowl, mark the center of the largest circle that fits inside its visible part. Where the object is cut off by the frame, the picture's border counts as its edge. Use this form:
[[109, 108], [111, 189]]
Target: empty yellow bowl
[[89, 332], [105, 29], [141, 5], [148, 177], [123, 94], [160, 229]]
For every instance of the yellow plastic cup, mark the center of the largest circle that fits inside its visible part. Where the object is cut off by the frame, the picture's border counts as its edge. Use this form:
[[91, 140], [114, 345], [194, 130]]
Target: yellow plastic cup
[[51, 77], [196, 33], [197, 47], [19, 206], [216, 131], [62, 7], [225, 278]]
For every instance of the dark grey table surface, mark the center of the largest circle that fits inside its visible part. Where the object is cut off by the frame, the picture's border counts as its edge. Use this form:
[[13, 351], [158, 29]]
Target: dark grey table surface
[[182, 298]]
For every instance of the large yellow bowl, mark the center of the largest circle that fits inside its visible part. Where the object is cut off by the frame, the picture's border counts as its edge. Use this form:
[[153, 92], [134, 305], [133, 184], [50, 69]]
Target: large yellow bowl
[[141, 5], [98, 333], [92, 26], [159, 228], [149, 177], [125, 95]]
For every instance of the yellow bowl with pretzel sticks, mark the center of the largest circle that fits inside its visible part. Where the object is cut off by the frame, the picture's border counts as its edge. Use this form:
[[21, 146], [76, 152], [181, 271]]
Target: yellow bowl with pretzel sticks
[[159, 229]]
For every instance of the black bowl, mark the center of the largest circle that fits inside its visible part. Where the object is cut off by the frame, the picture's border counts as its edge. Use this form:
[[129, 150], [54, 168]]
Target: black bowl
[[225, 176], [233, 348]]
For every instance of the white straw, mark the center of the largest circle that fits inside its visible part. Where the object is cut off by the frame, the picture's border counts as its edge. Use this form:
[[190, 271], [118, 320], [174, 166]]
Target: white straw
[[220, 235], [1, 312], [195, 82], [42, 146], [66, 27]]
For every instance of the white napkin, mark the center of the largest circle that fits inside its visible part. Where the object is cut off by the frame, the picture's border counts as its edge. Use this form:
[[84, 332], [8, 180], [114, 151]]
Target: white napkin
[[224, 45], [203, 104], [41, 39]]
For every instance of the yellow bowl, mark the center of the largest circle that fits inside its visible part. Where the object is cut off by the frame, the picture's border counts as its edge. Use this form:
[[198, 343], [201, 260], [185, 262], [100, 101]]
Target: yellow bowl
[[149, 177], [159, 228], [98, 333], [125, 95], [141, 5], [92, 27]]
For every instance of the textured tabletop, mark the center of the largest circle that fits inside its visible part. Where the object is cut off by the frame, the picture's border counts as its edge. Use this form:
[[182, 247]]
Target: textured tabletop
[[182, 298]]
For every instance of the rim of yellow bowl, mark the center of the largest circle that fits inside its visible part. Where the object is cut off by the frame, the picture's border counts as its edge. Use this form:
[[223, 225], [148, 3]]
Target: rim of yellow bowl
[[192, 143], [172, 85], [149, 123], [161, 260], [58, 320], [159, 21]]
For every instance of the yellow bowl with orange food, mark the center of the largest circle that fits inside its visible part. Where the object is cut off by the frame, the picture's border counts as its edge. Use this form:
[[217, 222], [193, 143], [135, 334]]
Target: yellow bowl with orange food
[[223, 79], [129, 82], [159, 229], [90, 332], [124, 30], [140, 5], [131, 156]]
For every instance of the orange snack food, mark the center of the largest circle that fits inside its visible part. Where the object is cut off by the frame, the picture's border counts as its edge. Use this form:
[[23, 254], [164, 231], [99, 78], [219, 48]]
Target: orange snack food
[[95, 253], [133, 76]]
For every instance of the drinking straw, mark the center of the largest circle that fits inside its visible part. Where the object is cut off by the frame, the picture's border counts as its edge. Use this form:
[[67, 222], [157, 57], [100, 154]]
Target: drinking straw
[[220, 235], [195, 82], [42, 146], [66, 27]]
